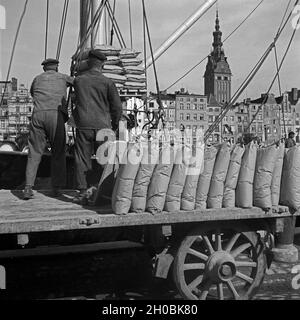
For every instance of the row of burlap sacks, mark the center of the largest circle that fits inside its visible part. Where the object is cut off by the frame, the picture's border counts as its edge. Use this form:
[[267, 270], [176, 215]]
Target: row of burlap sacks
[[122, 66], [218, 176]]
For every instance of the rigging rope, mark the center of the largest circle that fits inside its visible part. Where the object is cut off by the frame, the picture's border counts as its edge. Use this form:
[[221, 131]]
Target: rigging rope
[[202, 60], [47, 26], [62, 28], [279, 68], [151, 50], [130, 24], [249, 78], [115, 25], [112, 27], [13, 50]]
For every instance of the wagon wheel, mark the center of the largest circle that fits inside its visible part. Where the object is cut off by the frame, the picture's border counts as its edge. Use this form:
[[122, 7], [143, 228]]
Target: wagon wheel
[[219, 264]]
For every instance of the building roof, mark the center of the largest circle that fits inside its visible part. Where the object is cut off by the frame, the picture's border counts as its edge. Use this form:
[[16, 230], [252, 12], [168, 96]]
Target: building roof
[[270, 99]]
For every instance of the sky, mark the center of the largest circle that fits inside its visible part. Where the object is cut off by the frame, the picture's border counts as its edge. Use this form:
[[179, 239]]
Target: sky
[[243, 49]]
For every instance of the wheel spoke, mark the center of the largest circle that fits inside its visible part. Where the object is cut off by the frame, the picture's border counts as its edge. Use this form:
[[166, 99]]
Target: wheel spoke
[[219, 241], [198, 254], [208, 245], [232, 289], [232, 241], [244, 277], [220, 291], [240, 249], [246, 264], [193, 266], [195, 282], [204, 287]]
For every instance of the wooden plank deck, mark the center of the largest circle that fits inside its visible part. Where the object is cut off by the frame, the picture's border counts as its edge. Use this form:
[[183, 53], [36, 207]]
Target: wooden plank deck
[[44, 213]]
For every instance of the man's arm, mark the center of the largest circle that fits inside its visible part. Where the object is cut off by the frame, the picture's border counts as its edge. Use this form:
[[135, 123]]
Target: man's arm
[[69, 80], [115, 105]]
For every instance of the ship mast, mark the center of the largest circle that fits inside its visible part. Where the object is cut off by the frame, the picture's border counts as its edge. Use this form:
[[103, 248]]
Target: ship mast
[[88, 9]]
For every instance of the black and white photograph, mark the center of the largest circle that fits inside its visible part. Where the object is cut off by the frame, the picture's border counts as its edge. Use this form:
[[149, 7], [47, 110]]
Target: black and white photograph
[[149, 153]]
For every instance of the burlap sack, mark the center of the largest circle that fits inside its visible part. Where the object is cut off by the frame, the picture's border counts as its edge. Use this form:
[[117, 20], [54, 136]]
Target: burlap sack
[[159, 183], [143, 177], [216, 188], [188, 198], [265, 164], [276, 179], [205, 177], [244, 189], [122, 192], [176, 183], [232, 176], [290, 181]]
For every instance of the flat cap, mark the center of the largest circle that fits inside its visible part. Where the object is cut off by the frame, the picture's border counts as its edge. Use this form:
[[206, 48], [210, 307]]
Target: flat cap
[[50, 61], [96, 53]]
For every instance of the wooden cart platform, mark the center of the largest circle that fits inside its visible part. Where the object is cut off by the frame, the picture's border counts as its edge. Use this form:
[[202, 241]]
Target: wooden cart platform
[[43, 214]]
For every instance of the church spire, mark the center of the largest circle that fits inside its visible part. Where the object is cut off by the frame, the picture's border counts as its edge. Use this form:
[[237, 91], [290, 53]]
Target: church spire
[[217, 44]]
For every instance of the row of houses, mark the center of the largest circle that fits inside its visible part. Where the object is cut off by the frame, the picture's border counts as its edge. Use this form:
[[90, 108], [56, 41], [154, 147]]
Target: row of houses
[[268, 118], [15, 110]]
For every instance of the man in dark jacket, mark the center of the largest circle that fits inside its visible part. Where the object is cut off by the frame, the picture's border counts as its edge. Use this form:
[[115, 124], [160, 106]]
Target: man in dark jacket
[[49, 91], [290, 142], [98, 106]]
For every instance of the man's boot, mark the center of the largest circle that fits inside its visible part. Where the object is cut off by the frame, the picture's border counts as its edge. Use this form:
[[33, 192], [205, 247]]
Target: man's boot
[[81, 198], [28, 193]]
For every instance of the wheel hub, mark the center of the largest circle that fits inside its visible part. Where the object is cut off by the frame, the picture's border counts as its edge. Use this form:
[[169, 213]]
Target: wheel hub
[[221, 267]]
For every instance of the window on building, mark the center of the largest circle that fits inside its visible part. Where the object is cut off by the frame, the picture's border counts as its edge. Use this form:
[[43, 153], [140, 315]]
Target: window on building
[[240, 129], [232, 118], [195, 99], [259, 128], [188, 116], [188, 106], [239, 119], [274, 121], [219, 78], [151, 104], [201, 107], [188, 99], [181, 116], [210, 110], [181, 106], [217, 129], [210, 119], [225, 78], [201, 117], [253, 129], [195, 116], [217, 109], [194, 129]]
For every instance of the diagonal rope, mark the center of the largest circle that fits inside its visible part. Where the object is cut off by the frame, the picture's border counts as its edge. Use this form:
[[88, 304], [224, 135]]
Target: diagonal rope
[[228, 37], [62, 28], [13, 49]]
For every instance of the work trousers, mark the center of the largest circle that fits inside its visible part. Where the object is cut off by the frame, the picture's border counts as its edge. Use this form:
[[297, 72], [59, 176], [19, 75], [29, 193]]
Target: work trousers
[[85, 146], [47, 124]]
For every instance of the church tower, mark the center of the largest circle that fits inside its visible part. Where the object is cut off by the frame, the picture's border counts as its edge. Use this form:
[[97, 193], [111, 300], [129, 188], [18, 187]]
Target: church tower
[[217, 77]]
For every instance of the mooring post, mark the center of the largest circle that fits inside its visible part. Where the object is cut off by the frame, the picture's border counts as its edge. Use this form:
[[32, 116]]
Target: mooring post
[[284, 250]]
